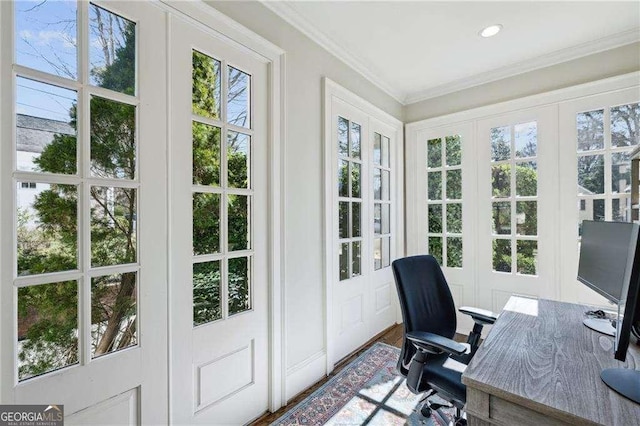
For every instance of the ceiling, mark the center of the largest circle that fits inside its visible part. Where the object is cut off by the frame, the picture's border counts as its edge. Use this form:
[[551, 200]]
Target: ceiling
[[419, 50]]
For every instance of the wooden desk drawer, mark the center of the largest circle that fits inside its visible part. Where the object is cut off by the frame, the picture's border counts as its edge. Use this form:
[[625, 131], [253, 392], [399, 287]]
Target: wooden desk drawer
[[489, 409], [508, 413]]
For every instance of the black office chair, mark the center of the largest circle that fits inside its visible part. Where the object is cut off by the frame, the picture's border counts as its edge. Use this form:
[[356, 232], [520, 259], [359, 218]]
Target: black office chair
[[430, 360]]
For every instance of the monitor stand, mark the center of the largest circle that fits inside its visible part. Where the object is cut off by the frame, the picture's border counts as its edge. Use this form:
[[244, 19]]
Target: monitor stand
[[600, 325], [624, 381]]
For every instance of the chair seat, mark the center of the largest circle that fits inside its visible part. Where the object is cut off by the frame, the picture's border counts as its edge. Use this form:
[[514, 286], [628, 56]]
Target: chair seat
[[445, 374]]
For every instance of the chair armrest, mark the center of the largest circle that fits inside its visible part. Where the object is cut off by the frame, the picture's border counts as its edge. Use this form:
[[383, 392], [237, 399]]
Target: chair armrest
[[481, 316], [435, 343]]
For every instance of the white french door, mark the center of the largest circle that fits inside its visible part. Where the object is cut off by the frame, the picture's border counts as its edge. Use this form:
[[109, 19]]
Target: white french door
[[441, 188], [383, 225], [517, 206], [83, 202], [218, 230], [597, 134], [363, 155], [351, 295]]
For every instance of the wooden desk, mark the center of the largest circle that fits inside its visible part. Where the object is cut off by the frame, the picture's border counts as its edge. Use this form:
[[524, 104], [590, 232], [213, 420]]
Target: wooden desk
[[540, 366]]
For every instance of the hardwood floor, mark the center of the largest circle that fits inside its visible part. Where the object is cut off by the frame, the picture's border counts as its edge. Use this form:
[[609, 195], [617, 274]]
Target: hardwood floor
[[391, 336]]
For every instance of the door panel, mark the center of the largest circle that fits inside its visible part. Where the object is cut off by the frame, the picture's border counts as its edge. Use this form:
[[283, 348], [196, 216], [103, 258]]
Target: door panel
[[87, 202], [444, 226], [517, 210], [119, 410], [598, 133], [351, 295], [218, 230], [383, 225]]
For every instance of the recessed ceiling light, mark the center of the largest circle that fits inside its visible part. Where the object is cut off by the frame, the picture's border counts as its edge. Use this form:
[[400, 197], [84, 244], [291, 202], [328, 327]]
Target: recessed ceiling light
[[491, 30]]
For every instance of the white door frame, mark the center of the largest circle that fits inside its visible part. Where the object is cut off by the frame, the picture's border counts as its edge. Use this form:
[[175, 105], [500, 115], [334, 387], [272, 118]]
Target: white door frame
[[333, 90], [221, 26]]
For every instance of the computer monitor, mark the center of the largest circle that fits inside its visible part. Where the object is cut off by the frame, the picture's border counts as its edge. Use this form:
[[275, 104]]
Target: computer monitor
[[626, 381], [606, 258], [604, 245]]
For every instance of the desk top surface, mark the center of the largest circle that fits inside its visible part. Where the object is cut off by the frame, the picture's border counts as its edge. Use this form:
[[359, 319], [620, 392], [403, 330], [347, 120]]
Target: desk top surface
[[540, 355]]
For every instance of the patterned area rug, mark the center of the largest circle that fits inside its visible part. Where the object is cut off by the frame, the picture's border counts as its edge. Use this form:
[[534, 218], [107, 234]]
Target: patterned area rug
[[368, 391]]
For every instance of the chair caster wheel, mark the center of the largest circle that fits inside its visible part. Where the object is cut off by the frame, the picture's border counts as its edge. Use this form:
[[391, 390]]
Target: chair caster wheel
[[425, 411]]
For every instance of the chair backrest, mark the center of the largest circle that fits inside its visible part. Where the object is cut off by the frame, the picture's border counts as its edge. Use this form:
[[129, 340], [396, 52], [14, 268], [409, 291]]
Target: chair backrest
[[425, 300]]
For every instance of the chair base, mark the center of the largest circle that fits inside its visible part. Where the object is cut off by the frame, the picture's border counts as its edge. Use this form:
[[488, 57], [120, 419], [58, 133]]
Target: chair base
[[429, 408]]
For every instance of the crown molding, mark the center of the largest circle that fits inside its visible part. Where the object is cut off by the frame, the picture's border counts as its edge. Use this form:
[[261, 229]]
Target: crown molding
[[553, 58], [302, 24], [614, 84]]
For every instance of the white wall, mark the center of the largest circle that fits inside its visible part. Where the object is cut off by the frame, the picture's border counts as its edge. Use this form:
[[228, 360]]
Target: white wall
[[306, 64], [609, 63]]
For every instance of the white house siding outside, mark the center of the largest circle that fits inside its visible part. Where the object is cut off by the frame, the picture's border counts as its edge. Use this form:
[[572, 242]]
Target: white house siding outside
[[33, 134]]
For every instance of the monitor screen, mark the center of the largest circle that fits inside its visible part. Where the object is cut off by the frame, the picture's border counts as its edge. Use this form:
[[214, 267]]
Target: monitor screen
[[630, 322], [607, 254]]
